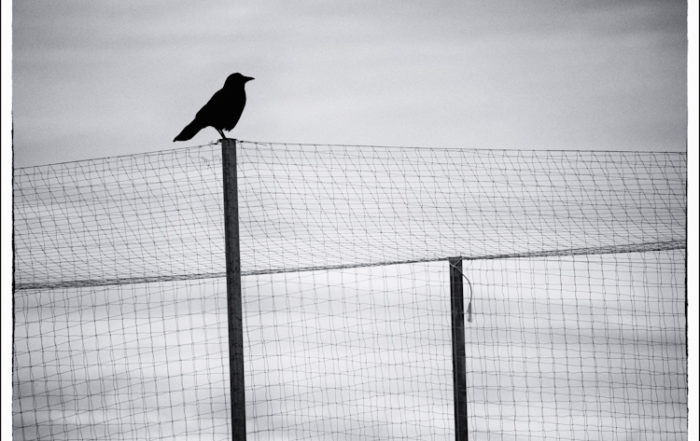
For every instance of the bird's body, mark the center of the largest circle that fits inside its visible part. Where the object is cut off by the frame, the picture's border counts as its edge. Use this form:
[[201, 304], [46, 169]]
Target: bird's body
[[222, 111]]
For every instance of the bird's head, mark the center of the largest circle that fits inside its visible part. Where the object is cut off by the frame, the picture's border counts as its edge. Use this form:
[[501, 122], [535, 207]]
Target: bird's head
[[236, 80]]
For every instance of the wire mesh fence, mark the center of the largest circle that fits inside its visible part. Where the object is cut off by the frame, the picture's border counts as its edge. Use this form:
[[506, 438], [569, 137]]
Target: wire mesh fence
[[576, 312], [120, 301]]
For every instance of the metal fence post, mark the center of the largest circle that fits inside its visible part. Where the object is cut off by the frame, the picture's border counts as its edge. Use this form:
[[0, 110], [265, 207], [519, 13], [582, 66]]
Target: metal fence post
[[459, 375], [233, 289]]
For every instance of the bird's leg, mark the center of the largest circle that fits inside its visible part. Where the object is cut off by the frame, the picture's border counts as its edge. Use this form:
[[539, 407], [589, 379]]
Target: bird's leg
[[221, 132]]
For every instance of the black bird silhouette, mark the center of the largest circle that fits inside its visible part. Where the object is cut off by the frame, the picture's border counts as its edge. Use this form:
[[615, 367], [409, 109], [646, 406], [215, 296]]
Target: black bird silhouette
[[222, 111]]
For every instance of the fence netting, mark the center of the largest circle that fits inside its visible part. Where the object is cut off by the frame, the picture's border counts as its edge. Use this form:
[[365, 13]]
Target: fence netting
[[574, 268]]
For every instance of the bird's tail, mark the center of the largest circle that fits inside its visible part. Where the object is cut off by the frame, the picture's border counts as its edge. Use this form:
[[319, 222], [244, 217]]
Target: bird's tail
[[189, 131]]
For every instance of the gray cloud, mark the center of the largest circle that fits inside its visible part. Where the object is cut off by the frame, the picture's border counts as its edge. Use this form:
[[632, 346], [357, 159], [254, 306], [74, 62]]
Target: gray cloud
[[94, 79]]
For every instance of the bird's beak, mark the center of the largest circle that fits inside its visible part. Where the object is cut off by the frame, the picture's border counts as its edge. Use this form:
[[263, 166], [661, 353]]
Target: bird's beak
[[248, 79]]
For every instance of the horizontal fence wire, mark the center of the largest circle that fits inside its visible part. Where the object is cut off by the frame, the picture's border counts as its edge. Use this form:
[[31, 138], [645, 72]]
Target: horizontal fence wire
[[577, 261], [650, 246]]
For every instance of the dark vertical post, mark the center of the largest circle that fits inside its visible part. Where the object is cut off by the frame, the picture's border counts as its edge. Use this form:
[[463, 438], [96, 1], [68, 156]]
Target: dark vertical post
[[459, 375], [233, 289]]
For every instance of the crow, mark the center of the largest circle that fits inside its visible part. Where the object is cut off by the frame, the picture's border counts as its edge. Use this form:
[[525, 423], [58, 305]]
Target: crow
[[223, 110]]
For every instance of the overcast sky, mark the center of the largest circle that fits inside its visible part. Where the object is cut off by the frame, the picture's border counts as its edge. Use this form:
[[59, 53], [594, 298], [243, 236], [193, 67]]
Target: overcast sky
[[103, 78]]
